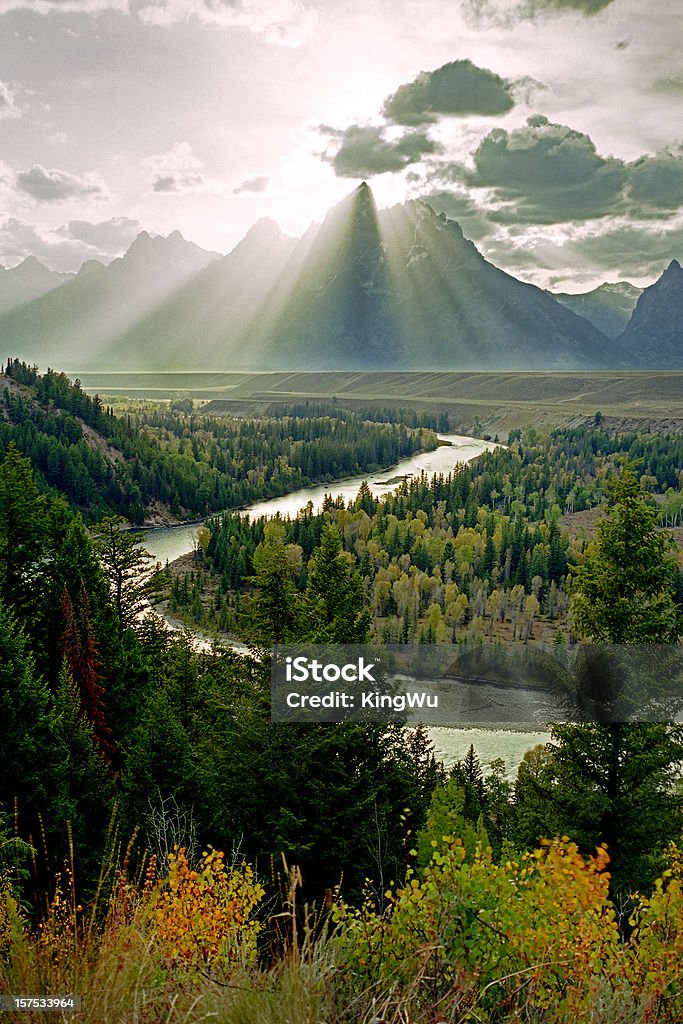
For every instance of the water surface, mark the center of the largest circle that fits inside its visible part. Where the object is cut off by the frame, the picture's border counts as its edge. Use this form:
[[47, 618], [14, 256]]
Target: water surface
[[170, 542]]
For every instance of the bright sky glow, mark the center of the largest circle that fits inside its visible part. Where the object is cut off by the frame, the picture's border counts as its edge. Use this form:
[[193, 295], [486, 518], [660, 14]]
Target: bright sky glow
[[118, 115]]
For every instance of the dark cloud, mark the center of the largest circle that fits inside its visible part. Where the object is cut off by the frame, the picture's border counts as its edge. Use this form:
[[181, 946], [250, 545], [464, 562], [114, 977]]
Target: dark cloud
[[108, 236], [507, 14], [637, 250], [259, 184], [176, 183], [458, 206], [584, 6], [53, 186], [622, 251], [19, 240], [656, 182], [456, 89], [547, 173], [364, 151]]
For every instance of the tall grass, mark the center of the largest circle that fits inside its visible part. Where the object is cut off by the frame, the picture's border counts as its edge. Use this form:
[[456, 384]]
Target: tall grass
[[467, 942]]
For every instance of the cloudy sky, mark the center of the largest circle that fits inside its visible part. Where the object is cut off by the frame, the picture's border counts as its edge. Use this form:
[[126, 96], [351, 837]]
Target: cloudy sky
[[551, 129]]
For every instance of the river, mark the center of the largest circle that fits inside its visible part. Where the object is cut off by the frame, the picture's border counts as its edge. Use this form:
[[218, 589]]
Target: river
[[170, 542], [166, 543]]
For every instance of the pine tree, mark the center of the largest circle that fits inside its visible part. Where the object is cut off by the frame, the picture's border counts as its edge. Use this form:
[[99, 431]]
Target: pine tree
[[125, 564], [615, 780], [337, 612], [87, 790], [23, 568], [27, 738], [276, 608], [624, 592], [81, 653], [49, 769]]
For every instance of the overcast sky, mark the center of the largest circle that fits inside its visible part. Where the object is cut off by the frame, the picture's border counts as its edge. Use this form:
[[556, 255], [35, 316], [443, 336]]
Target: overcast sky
[[551, 129]]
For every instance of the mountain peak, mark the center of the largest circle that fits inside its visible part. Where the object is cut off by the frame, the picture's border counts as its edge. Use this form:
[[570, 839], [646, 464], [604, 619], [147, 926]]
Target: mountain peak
[[90, 266], [172, 247], [653, 336], [264, 227]]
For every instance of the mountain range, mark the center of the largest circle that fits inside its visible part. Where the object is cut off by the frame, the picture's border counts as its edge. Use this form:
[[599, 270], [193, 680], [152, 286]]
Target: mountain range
[[609, 307], [28, 280], [654, 334], [394, 289]]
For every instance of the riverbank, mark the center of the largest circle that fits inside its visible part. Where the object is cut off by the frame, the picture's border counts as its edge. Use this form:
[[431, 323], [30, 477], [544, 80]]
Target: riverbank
[[167, 543]]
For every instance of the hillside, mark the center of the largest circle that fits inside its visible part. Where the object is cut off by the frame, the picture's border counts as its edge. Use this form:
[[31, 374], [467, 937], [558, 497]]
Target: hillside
[[654, 334], [71, 324], [157, 465], [27, 281]]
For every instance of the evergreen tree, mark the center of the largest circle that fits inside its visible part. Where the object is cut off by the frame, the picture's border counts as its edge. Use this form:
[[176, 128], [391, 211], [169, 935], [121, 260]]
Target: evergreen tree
[[29, 759], [85, 800], [23, 567], [49, 769], [81, 652], [125, 564], [276, 608], [335, 599], [615, 781], [624, 591]]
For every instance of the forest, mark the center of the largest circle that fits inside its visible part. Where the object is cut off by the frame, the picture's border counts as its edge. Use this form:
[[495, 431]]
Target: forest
[[174, 457], [167, 853], [478, 554]]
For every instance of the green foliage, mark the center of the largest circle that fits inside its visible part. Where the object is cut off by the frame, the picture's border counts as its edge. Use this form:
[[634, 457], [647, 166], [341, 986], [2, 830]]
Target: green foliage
[[51, 773], [466, 554], [623, 592], [22, 538], [534, 938], [334, 596], [193, 464], [614, 781], [277, 609], [617, 783], [125, 563], [330, 797], [446, 819]]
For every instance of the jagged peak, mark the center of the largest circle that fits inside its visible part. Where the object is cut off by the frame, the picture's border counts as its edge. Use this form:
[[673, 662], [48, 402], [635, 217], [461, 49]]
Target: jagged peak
[[362, 198], [175, 242], [30, 261], [674, 266], [618, 287], [264, 226], [90, 266], [30, 264]]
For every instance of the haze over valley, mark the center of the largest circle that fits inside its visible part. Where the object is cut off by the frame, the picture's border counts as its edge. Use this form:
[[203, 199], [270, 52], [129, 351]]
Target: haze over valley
[[368, 289]]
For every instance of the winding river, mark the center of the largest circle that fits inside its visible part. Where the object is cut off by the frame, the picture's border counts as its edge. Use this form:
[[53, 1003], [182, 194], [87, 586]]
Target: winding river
[[167, 543], [451, 744]]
